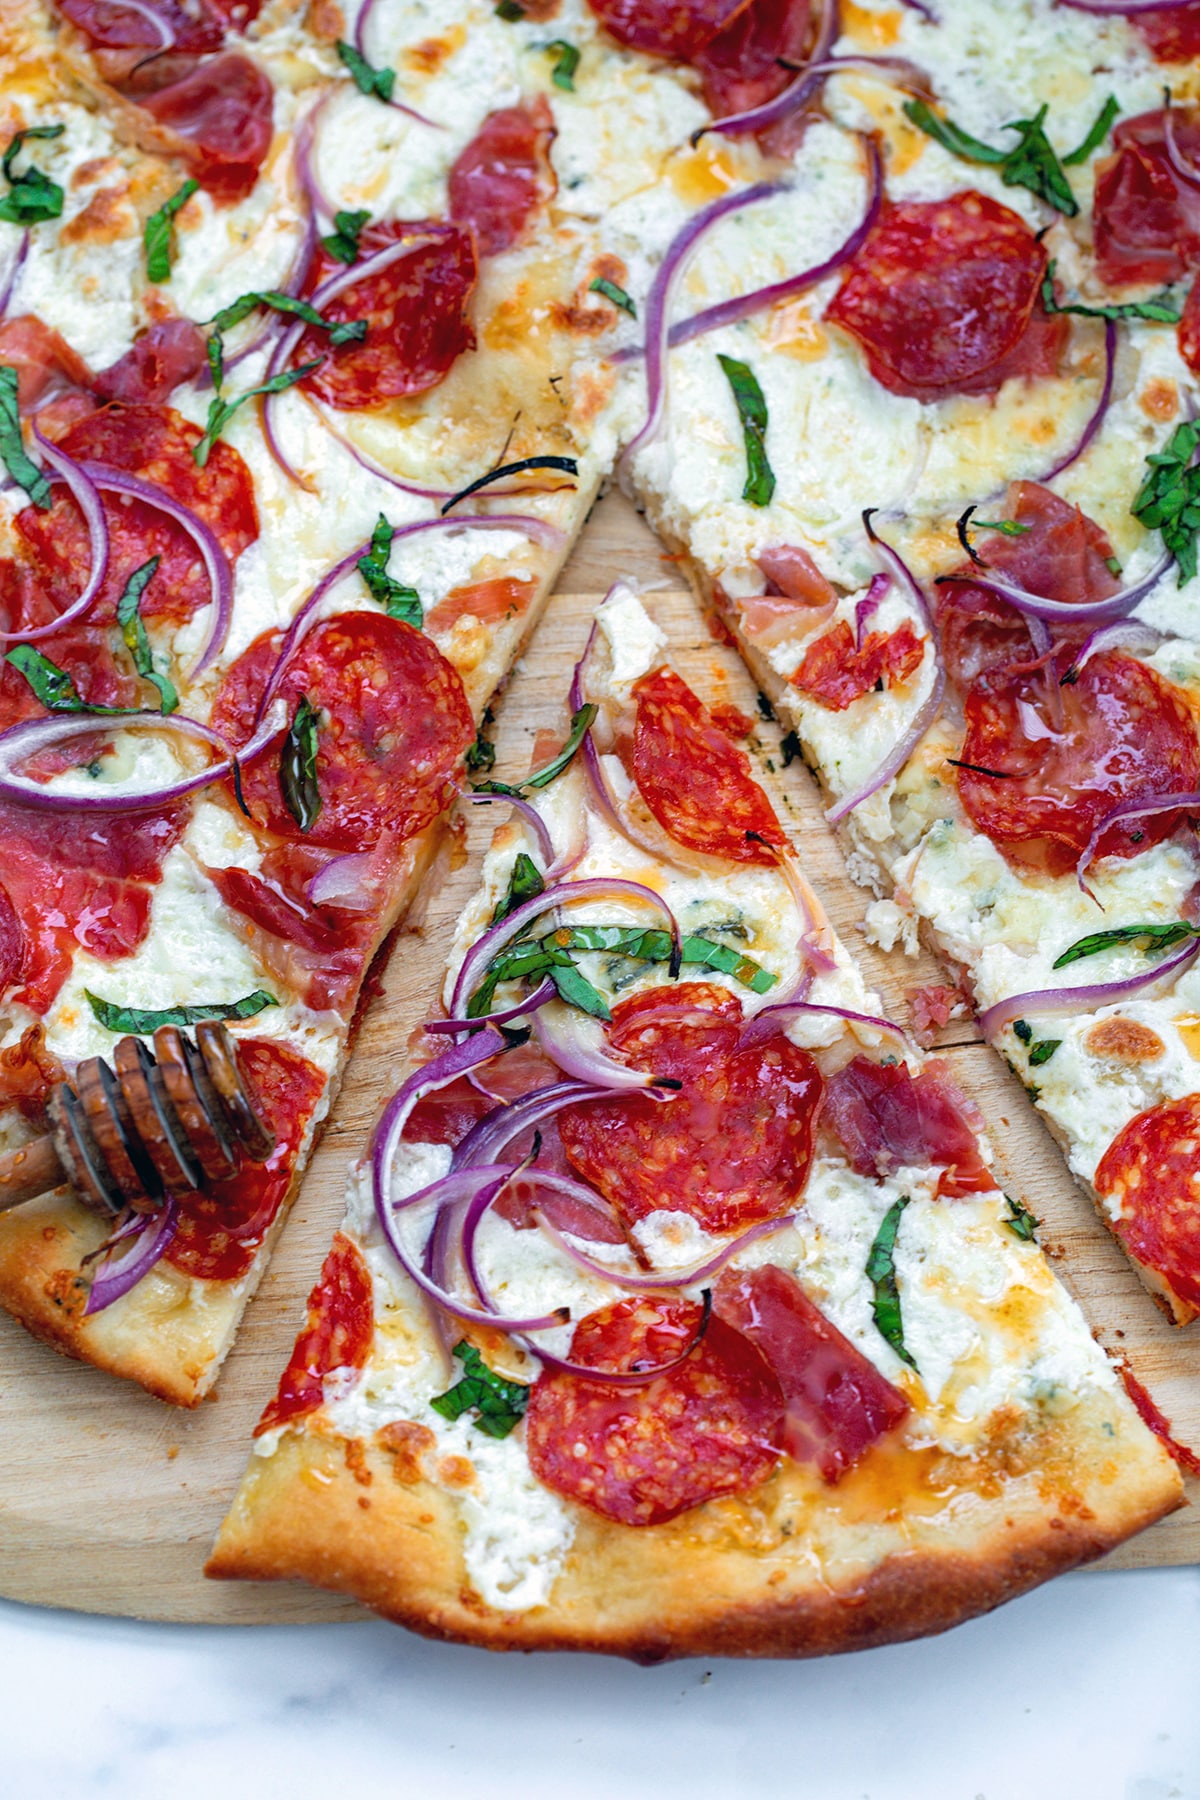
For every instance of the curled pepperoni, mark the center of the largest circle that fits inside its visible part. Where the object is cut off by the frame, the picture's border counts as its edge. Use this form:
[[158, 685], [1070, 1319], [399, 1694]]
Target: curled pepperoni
[[416, 313], [942, 298], [337, 1334], [837, 1403], [1153, 1167], [746, 64], [1173, 34], [1147, 219], [1123, 734], [44, 361], [678, 28], [696, 783], [169, 353], [836, 673], [393, 722], [643, 1455], [221, 1227], [223, 111], [499, 179], [732, 1147], [886, 1118], [155, 443]]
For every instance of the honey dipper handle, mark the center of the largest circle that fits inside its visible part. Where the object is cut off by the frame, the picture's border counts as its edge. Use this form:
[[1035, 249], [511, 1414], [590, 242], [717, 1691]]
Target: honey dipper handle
[[31, 1170]]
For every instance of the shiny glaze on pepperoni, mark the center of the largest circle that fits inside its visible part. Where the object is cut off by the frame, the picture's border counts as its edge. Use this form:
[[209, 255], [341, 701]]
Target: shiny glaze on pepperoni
[[221, 1227], [416, 312], [503, 175], [158, 361], [393, 723], [886, 1118], [835, 673], [337, 1334], [223, 111], [155, 443], [677, 28], [643, 1455], [696, 782], [746, 64], [942, 298], [1172, 35], [732, 1147], [1153, 1167], [1123, 734], [837, 1404], [1147, 218]]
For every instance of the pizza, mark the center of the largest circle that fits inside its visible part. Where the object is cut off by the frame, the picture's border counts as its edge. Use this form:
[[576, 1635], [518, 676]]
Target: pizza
[[675, 1309]]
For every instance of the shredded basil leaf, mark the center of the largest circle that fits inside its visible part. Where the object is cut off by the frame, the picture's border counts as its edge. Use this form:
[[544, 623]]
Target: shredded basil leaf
[[348, 227], [1009, 528], [654, 945], [510, 12], [881, 1273], [580, 724], [398, 601], [618, 296], [341, 331], [1023, 1031], [563, 72], [21, 467], [566, 464], [752, 411], [377, 83], [53, 686], [1020, 1221], [524, 883], [298, 766], [482, 754], [141, 1024], [1169, 499], [1031, 163], [1042, 1051], [156, 236], [498, 1405], [1154, 940], [32, 197], [790, 748], [1096, 135], [577, 990], [1163, 309], [221, 411], [133, 630]]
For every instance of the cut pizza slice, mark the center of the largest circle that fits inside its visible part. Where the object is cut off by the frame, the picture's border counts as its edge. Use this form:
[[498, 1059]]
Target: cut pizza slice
[[676, 1309]]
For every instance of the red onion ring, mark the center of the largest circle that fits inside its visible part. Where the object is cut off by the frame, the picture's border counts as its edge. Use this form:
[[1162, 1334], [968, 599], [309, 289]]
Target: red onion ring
[[164, 32], [760, 118], [302, 157], [795, 98], [1054, 1000], [500, 1016], [1036, 606], [564, 1035], [368, 462], [120, 1274], [360, 40], [1132, 809], [869, 605], [1105, 9], [561, 1365], [341, 883], [13, 271], [926, 12], [1100, 409], [773, 1018], [484, 1142], [660, 1279], [1121, 634], [82, 489], [530, 814]]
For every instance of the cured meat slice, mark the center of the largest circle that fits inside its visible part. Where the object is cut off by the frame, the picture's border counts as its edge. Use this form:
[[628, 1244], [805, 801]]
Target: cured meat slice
[[170, 353], [837, 1404], [643, 1455], [111, 25], [886, 1118], [746, 64], [1173, 33], [393, 722], [678, 28], [835, 672], [696, 782], [1147, 218], [223, 112], [1153, 1168], [1038, 777], [732, 1147], [499, 179], [43, 359], [338, 1334], [416, 313], [944, 299]]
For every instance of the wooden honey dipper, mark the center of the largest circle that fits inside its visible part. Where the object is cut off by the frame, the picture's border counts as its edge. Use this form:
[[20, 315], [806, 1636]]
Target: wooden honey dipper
[[147, 1126]]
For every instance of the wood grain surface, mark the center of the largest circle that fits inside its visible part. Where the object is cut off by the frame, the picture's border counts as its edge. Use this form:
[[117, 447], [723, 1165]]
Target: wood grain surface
[[109, 1499]]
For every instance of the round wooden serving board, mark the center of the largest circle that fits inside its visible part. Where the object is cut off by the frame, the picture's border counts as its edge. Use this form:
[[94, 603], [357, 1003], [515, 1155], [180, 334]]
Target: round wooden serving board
[[109, 1499]]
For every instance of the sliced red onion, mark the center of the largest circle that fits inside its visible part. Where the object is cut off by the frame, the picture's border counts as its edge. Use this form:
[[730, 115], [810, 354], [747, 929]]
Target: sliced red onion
[[561, 1365], [484, 1142], [532, 817], [1071, 999], [869, 605], [370, 465], [165, 33], [926, 12], [82, 489], [1134, 809], [360, 44], [1100, 409], [342, 883], [897, 567], [661, 1278], [662, 290], [577, 1045], [1107, 9], [302, 157], [1035, 606], [12, 272], [770, 1019], [795, 95], [119, 1274], [1122, 634], [816, 937], [500, 1016]]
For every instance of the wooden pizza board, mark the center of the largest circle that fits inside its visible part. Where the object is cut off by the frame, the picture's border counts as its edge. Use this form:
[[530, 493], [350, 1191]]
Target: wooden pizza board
[[109, 1499]]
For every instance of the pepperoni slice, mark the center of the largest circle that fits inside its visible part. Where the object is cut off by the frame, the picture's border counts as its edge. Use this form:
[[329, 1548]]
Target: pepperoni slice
[[393, 723], [643, 1455], [1062, 555], [169, 353], [1147, 219], [221, 1227], [1153, 1166], [499, 180], [155, 443], [43, 359], [223, 111], [836, 673], [696, 783], [416, 313], [678, 28], [1123, 734], [887, 1118], [943, 293], [337, 1334], [747, 64], [113, 26], [837, 1403], [1173, 34], [733, 1147]]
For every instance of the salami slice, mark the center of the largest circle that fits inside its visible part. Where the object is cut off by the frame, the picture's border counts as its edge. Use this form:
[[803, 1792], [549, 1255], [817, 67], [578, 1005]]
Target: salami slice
[[1147, 218], [155, 443], [733, 1147], [223, 112], [1153, 1167], [943, 293], [416, 313], [170, 353], [747, 63], [393, 721], [837, 1404], [695, 781], [677, 28], [643, 1455], [221, 1227], [1123, 734], [337, 1334], [886, 1119], [835, 672], [503, 175]]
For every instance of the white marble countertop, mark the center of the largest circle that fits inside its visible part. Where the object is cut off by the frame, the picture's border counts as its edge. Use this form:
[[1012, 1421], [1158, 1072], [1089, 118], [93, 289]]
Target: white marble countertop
[[1086, 1690]]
